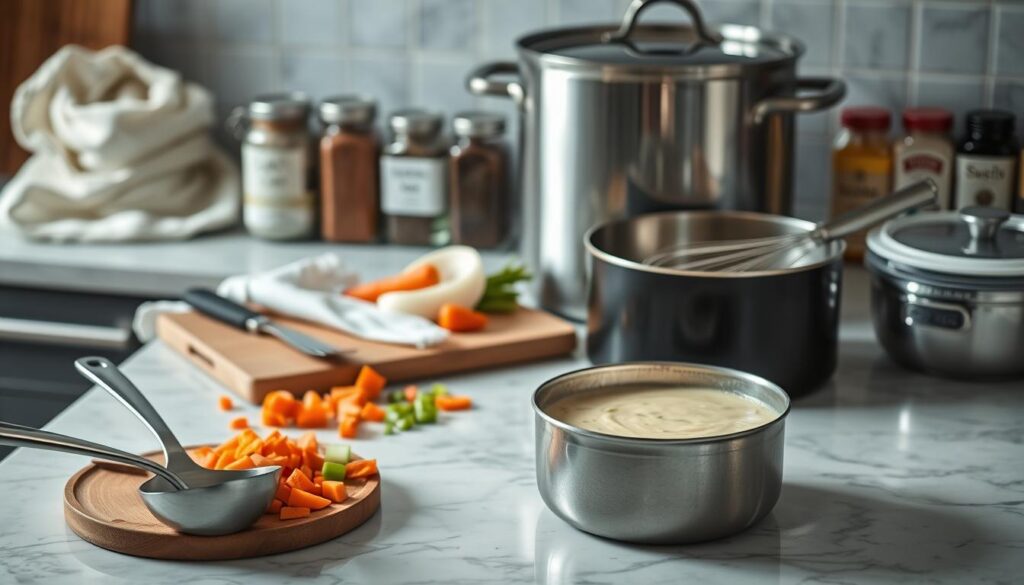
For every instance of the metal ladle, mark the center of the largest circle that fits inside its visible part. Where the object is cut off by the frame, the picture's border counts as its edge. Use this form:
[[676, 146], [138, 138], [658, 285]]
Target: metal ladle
[[213, 502]]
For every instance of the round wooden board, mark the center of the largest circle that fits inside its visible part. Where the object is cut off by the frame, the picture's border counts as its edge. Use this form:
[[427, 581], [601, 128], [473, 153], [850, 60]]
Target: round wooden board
[[104, 507]]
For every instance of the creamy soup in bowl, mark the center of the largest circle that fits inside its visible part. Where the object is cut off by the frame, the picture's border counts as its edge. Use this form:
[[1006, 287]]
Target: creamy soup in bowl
[[657, 412], [650, 412]]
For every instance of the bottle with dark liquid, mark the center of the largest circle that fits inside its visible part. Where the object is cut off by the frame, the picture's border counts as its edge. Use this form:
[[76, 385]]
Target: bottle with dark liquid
[[414, 180], [479, 175]]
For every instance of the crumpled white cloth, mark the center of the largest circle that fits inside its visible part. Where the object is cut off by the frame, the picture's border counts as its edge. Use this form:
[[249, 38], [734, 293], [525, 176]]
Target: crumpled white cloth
[[310, 289], [121, 151]]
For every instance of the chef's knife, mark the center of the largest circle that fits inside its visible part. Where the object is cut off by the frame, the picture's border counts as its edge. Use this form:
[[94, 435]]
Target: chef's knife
[[211, 304]]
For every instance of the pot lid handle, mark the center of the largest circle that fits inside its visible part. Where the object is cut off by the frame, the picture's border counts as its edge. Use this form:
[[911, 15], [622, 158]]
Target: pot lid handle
[[704, 35], [983, 222]]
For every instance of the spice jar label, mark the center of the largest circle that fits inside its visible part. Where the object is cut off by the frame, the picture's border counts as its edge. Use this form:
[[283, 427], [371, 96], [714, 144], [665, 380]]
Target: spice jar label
[[917, 165], [270, 173], [984, 180], [413, 186]]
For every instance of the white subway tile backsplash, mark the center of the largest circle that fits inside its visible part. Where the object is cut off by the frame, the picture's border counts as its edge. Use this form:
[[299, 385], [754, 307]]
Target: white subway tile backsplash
[[240, 74], [448, 25], [319, 74], [812, 23], [1010, 42], [954, 39], [441, 86], [180, 19], [572, 12], [1009, 95], [313, 22], [957, 96], [378, 23], [244, 21], [877, 36], [385, 78], [504, 22], [876, 90]]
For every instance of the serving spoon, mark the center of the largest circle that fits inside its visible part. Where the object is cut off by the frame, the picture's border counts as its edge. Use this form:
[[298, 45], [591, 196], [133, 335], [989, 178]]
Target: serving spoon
[[213, 502]]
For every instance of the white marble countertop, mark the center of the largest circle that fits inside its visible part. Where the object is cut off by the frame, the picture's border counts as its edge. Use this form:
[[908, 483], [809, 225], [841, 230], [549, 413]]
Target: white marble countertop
[[890, 477], [165, 269]]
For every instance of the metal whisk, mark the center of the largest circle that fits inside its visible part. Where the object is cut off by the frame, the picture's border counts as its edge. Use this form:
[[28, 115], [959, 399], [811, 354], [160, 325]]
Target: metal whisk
[[784, 251]]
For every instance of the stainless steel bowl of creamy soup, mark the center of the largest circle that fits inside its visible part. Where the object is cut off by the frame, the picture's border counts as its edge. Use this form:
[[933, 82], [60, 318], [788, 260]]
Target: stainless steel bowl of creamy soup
[[660, 452]]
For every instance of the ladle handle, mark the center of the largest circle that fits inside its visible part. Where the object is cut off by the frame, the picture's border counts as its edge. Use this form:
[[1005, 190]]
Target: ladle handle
[[19, 436], [106, 375], [910, 197]]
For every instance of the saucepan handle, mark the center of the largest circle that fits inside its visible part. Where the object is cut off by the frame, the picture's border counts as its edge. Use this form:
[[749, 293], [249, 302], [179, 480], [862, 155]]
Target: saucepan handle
[[700, 28], [819, 93], [480, 82]]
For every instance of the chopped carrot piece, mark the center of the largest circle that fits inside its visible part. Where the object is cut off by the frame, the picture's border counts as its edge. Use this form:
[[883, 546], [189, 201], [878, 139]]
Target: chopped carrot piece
[[313, 459], [292, 512], [272, 419], [420, 277], [339, 392], [308, 442], [283, 491], [275, 506], [276, 460], [371, 381], [258, 460], [222, 460], [298, 479], [281, 402], [319, 479], [410, 392], [460, 319], [311, 418], [372, 412], [349, 427], [304, 499], [361, 468], [334, 491], [200, 453], [294, 460], [240, 463], [306, 471], [347, 409], [225, 403], [317, 490], [250, 448], [211, 460], [453, 402], [282, 449], [239, 423]]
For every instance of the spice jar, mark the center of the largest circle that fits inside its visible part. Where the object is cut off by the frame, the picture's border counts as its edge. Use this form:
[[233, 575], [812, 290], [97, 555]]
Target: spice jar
[[925, 151], [277, 201], [986, 161], [479, 174], [349, 152], [861, 166], [414, 179]]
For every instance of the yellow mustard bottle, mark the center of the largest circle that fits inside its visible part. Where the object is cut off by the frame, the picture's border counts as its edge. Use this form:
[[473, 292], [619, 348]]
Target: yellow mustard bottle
[[861, 166]]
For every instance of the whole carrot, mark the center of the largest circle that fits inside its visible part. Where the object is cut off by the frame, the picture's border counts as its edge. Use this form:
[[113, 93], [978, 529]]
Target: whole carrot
[[417, 278]]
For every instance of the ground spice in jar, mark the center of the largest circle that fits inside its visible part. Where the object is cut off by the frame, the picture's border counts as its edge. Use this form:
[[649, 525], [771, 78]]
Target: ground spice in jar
[[414, 180], [479, 174], [349, 153], [861, 166]]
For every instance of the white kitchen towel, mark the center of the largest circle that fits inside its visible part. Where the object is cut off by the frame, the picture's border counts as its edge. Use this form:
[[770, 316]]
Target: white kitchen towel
[[121, 151], [310, 289]]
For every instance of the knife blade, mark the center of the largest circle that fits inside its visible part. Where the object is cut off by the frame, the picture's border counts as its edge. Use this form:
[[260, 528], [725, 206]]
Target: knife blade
[[213, 305]]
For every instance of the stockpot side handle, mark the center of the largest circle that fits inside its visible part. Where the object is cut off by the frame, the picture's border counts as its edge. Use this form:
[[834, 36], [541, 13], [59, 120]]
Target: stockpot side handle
[[636, 7], [826, 92], [480, 82]]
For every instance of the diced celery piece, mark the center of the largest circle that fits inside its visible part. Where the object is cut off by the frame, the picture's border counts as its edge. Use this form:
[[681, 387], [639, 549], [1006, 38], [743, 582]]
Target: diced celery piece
[[396, 396], [338, 453], [392, 415], [389, 428], [333, 471], [438, 389], [405, 423]]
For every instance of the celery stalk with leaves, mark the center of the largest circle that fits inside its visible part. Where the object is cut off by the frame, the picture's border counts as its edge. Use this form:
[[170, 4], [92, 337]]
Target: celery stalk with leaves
[[500, 295]]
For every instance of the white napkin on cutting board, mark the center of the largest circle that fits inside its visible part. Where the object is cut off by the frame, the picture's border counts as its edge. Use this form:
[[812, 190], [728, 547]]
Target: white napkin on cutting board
[[310, 289], [121, 151]]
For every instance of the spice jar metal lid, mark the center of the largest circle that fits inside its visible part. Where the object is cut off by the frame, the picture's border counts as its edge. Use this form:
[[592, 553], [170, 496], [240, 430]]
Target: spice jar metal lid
[[974, 242], [416, 122], [348, 109], [695, 49], [279, 106], [478, 124]]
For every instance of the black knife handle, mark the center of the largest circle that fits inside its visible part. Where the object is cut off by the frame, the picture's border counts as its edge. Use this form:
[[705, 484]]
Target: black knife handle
[[210, 303]]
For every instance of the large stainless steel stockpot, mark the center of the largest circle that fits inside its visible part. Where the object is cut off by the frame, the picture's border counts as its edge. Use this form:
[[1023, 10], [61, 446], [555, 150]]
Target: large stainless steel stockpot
[[658, 490], [780, 324], [619, 120], [947, 292]]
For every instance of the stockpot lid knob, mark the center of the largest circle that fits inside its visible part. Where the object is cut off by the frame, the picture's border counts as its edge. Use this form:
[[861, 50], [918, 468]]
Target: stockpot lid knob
[[983, 222]]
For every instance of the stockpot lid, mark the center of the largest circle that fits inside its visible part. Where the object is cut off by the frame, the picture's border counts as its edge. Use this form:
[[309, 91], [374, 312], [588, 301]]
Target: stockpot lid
[[974, 242], [690, 50]]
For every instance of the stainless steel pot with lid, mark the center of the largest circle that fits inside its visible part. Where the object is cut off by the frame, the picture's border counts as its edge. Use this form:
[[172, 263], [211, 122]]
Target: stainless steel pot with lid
[[947, 291], [624, 119]]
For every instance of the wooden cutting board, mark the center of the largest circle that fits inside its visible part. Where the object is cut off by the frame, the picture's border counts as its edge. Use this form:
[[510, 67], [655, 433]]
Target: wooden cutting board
[[104, 507], [253, 365]]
